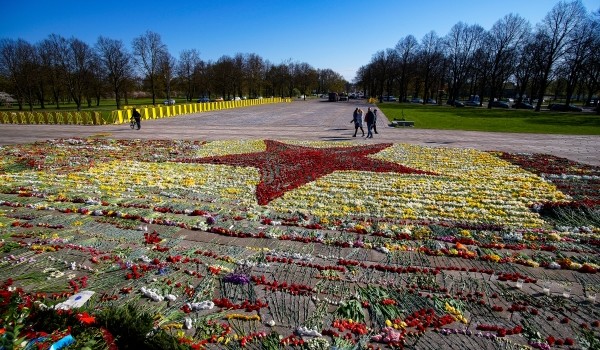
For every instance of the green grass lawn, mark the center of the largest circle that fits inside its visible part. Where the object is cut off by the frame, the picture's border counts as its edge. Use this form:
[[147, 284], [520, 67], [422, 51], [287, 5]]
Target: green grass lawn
[[501, 120]]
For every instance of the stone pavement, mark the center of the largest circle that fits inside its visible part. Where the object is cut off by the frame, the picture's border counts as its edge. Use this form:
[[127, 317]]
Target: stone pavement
[[310, 120]]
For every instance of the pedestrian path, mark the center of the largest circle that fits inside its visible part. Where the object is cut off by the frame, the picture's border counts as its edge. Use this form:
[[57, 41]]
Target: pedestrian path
[[310, 120]]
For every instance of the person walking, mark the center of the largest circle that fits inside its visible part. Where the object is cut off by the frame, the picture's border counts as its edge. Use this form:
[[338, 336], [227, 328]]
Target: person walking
[[369, 118], [357, 120], [375, 121], [138, 117]]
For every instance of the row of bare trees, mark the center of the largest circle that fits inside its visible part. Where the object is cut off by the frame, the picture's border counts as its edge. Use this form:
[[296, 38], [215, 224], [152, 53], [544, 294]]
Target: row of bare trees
[[58, 69], [560, 56]]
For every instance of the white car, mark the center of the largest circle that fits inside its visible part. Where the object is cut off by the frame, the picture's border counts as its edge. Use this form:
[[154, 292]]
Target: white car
[[169, 102]]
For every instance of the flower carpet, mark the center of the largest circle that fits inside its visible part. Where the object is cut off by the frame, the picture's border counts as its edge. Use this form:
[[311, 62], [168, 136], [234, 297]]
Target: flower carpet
[[265, 244]]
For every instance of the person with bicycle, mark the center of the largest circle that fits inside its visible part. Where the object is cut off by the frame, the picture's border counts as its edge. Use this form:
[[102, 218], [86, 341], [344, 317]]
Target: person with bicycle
[[137, 117]]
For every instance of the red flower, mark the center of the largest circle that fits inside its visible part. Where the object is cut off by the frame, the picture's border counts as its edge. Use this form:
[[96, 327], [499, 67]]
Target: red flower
[[86, 318], [286, 167]]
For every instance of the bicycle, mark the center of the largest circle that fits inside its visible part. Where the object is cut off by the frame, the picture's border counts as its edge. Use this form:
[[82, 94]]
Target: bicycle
[[132, 123]]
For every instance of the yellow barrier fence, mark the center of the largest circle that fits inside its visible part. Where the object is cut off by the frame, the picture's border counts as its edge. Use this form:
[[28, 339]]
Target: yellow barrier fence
[[66, 117], [123, 116], [157, 112]]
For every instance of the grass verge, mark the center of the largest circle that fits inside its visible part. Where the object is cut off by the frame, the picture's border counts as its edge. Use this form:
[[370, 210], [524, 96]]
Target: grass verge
[[498, 120]]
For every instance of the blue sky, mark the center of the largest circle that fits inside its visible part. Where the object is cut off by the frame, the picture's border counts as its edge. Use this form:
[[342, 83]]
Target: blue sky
[[340, 35]]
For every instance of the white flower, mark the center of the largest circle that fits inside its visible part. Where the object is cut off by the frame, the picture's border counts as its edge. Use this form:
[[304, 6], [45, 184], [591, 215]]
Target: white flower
[[151, 294], [187, 323], [554, 266], [203, 305], [383, 250], [303, 331]]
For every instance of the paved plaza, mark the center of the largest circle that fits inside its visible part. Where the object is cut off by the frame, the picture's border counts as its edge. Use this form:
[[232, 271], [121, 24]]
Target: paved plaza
[[310, 120]]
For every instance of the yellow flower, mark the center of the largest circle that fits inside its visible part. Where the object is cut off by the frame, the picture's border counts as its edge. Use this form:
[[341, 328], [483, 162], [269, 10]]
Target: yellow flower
[[465, 233], [554, 237], [243, 317]]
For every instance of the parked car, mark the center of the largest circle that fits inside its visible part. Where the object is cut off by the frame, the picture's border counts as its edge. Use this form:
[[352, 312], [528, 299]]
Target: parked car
[[416, 100], [455, 103], [522, 105], [389, 99], [472, 103], [219, 99], [564, 108], [169, 102], [499, 104], [431, 101], [203, 100], [343, 97]]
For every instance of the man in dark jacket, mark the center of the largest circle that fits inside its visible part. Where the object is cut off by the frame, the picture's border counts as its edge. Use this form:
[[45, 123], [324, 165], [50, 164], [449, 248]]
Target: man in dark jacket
[[375, 121], [370, 119], [137, 116]]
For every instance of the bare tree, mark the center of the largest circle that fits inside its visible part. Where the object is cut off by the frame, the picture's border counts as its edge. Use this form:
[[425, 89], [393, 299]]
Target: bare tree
[[306, 78], [76, 64], [430, 60], [591, 80], [202, 78], [43, 74], [580, 48], [166, 72], [18, 61], [239, 74], [188, 60], [524, 68], [406, 50], [51, 50], [461, 45], [504, 41], [148, 50], [384, 65], [255, 69], [278, 76], [330, 81], [223, 80], [95, 86], [555, 33], [116, 61]]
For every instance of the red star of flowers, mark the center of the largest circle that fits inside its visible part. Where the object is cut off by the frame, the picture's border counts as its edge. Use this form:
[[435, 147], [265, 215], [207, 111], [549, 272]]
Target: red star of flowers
[[284, 167]]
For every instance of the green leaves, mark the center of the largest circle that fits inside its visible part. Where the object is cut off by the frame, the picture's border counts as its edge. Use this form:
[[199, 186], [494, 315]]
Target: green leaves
[[350, 309]]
